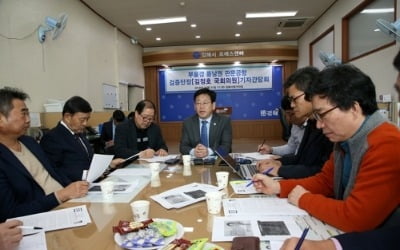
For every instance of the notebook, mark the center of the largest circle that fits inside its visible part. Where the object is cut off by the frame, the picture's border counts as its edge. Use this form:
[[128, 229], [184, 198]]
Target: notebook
[[244, 171]]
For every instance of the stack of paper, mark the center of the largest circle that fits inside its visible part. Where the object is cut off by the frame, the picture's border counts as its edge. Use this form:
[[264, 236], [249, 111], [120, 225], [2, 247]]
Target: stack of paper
[[58, 219], [184, 195]]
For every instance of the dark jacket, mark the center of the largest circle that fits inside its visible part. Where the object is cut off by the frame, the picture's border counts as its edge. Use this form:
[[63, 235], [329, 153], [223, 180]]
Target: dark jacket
[[19, 192], [66, 153], [125, 139], [220, 134], [313, 151]]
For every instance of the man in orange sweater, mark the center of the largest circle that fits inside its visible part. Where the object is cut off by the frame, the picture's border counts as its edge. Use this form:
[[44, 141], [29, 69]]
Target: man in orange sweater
[[358, 188]]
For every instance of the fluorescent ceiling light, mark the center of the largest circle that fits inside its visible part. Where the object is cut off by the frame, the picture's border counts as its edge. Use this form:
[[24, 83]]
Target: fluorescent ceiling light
[[162, 20], [381, 10], [270, 14]]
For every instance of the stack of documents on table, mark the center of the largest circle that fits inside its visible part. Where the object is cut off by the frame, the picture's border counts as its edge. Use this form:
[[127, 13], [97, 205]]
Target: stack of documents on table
[[270, 218], [58, 219], [132, 170], [159, 158], [49, 221], [184, 195]]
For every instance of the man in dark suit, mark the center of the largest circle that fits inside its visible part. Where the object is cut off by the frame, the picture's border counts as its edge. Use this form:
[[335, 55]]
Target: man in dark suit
[[315, 147], [108, 131], [140, 134], [28, 182], [66, 144], [217, 131]]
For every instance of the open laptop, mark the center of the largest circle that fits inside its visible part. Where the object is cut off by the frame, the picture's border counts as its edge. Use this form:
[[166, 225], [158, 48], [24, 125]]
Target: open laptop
[[244, 171]]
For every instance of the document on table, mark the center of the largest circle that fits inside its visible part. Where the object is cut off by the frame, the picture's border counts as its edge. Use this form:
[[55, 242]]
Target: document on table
[[133, 170], [241, 187], [119, 187], [98, 165], [184, 195], [159, 158], [260, 206], [273, 228], [58, 219], [35, 241], [257, 156]]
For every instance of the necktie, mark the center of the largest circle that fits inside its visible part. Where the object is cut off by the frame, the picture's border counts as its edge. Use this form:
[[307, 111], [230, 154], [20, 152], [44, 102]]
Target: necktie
[[203, 133], [82, 144]]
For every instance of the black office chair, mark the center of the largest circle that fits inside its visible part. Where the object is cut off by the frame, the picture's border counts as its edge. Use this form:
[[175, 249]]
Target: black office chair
[[286, 127]]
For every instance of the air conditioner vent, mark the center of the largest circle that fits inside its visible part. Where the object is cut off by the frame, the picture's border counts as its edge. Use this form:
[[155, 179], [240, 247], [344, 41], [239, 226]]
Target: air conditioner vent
[[293, 23]]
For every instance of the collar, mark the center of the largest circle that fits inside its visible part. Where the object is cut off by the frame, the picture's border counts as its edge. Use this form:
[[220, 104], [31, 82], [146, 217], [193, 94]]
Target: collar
[[66, 126]]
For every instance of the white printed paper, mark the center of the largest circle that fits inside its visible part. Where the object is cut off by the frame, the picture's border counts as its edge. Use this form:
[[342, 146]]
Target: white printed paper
[[184, 195], [98, 165]]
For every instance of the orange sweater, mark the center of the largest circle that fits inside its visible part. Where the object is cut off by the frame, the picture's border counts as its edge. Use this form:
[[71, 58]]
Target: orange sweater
[[376, 191]]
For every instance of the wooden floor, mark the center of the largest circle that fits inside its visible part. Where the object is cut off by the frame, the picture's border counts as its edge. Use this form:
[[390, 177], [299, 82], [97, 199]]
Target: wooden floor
[[238, 145]]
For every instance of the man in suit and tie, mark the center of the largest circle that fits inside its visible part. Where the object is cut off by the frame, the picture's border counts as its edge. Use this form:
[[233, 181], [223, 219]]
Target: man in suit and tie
[[28, 182], [206, 130], [66, 144]]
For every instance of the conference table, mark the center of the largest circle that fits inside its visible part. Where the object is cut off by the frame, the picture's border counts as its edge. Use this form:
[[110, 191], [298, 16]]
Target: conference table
[[104, 215]]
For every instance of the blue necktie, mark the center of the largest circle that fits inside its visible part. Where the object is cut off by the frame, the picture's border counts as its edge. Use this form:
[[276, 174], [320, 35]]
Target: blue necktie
[[204, 134]]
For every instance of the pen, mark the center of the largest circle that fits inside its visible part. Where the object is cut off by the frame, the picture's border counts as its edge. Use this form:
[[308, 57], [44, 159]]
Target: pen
[[264, 173], [31, 227], [303, 236], [262, 144]]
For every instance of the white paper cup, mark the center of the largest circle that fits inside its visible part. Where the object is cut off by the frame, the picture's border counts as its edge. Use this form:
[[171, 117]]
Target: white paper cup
[[222, 178], [155, 176], [214, 202], [107, 189], [186, 160], [140, 210]]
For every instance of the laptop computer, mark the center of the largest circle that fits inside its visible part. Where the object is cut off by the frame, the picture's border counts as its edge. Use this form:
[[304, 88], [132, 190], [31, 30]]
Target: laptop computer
[[244, 171]]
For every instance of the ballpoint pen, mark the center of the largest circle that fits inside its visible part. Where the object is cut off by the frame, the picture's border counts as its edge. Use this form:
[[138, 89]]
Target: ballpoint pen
[[303, 236], [262, 144], [265, 173], [31, 227]]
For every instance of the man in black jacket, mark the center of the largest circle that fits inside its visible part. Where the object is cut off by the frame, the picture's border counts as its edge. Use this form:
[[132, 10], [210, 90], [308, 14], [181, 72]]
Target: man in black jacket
[[314, 148]]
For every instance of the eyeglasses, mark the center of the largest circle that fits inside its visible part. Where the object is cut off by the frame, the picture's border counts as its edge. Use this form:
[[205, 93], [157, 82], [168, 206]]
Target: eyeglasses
[[320, 116], [146, 118], [293, 99], [202, 103]]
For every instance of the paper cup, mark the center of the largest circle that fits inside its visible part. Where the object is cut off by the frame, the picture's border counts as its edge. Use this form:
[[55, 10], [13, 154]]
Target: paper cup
[[155, 176], [214, 202], [140, 210], [107, 189], [186, 160], [222, 178]]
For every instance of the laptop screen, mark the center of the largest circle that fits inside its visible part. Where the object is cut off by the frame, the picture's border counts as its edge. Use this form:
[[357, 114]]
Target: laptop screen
[[227, 159]]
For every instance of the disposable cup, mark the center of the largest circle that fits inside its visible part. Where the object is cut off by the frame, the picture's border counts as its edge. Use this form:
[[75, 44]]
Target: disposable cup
[[186, 160], [107, 189], [214, 202], [140, 210], [222, 178]]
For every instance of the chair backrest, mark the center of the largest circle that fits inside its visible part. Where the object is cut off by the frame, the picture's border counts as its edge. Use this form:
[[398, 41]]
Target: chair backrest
[[286, 126]]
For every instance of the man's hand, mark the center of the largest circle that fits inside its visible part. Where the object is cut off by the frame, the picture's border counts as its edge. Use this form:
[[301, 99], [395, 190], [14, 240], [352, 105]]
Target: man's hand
[[74, 190], [161, 152], [200, 151], [10, 234], [265, 184]]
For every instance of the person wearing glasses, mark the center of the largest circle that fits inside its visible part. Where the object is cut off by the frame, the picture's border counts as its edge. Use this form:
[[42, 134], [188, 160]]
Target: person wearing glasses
[[314, 148], [140, 134], [358, 188], [205, 131]]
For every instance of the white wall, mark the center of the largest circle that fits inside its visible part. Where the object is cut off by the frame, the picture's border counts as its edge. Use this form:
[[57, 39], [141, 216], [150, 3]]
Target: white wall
[[377, 65], [87, 54]]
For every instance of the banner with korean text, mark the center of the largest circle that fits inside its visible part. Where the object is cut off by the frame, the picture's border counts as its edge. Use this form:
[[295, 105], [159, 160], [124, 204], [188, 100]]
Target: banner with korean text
[[253, 91]]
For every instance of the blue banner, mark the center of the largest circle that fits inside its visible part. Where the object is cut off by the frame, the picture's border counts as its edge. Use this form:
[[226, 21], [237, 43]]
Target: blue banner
[[176, 102]]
